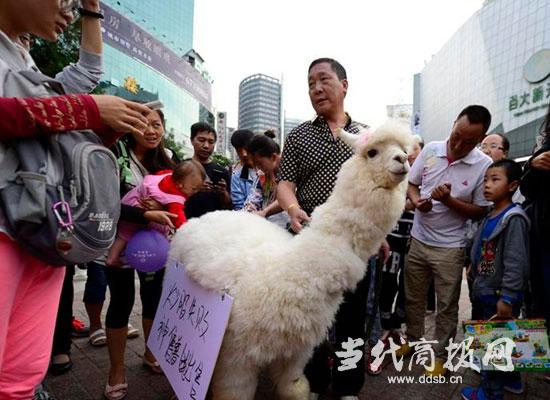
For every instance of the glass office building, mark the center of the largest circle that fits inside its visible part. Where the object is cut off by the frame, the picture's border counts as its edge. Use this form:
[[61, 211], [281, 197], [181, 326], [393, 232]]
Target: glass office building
[[146, 43], [260, 104], [499, 58]]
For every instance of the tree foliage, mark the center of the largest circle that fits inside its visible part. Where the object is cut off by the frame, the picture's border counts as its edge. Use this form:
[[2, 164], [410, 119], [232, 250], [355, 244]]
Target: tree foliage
[[51, 57], [175, 146], [221, 159]]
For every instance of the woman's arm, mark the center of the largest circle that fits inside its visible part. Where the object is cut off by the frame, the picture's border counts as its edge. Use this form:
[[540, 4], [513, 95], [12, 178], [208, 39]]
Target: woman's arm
[[28, 117], [535, 175], [84, 76], [109, 116]]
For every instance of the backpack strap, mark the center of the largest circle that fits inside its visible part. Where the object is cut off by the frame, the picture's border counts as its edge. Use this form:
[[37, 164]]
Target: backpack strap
[[8, 164], [123, 161]]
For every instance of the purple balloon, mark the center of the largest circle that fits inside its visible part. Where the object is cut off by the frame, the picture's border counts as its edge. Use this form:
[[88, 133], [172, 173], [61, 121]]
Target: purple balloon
[[147, 251]]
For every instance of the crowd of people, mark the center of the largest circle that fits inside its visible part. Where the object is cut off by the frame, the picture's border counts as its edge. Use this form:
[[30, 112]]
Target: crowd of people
[[469, 208]]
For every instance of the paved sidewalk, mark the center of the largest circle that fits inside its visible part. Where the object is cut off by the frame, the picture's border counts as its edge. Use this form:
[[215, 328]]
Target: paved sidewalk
[[87, 378]]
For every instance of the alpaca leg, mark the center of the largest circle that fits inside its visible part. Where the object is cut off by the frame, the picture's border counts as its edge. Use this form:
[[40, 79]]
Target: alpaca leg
[[234, 382], [288, 375]]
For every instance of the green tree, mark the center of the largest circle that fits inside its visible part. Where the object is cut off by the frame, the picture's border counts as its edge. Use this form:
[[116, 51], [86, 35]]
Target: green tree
[[175, 146], [50, 57], [221, 159]]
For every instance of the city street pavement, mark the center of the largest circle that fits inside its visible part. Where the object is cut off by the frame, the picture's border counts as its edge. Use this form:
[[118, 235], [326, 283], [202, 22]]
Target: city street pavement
[[87, 378]]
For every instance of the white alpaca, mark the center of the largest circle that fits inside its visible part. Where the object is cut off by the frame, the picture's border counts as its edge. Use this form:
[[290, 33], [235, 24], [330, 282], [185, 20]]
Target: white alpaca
[[287, 288]]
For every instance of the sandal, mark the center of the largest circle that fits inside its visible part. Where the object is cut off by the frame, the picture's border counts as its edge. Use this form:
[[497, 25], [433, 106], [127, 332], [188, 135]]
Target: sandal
[[116, 392], [61, 364], [152, 366], [132, 332], [98, 338]]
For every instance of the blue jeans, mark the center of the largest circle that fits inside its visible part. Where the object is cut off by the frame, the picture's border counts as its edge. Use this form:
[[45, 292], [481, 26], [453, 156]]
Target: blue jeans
[[493, 382]]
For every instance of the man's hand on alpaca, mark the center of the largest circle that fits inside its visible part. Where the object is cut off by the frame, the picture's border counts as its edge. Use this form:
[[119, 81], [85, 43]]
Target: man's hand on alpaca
[[297, 218]]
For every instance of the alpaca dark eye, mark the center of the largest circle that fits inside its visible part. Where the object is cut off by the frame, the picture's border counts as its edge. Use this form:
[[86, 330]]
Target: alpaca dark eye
[[372, 153]]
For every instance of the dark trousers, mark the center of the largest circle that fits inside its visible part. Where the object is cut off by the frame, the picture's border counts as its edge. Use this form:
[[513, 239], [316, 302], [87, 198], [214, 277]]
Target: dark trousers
[[393, 288], [540, 286], [431, 305], [493, 382], [122, 289], [64, 320], [390, 287], [350, 323]]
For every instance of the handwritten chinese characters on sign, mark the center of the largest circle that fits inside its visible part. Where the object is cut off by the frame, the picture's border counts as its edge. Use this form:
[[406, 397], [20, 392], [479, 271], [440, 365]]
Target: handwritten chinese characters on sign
[[187, 332]]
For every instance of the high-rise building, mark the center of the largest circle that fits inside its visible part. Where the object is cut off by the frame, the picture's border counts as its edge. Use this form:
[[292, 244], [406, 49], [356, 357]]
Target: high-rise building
[[290, 124], [499, 58], [148, 55], [260, 104]]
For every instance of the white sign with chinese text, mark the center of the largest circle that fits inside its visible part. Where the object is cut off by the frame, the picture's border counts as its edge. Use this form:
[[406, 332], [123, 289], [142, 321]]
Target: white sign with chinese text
[[187, 332]]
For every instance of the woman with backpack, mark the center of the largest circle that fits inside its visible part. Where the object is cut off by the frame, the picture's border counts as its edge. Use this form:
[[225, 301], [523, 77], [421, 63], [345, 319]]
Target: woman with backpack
[[29, 285]]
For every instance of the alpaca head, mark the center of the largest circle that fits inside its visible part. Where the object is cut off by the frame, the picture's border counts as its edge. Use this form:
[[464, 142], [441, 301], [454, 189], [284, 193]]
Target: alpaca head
[[382, 152]]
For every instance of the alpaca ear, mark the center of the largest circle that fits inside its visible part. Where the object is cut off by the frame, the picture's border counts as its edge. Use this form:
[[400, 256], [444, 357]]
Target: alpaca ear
[[358, 141], [348, 138]]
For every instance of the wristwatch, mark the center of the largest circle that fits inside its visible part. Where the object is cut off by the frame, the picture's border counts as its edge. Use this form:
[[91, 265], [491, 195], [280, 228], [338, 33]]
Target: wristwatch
[[87, 13]]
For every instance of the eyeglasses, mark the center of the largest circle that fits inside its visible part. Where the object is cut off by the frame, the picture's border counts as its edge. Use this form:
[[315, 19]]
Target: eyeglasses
[[67, 6], [492, 146]]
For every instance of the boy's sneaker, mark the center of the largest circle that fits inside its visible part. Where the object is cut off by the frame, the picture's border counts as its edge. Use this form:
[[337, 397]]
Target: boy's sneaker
[[472, 393], [515, 387]]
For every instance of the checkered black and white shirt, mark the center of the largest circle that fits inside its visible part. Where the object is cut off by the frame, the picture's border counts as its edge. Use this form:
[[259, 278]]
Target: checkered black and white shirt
[[311, 159]]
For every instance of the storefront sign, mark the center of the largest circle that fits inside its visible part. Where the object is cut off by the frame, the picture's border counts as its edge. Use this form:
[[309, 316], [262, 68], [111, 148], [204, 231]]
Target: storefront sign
[[127, 37]]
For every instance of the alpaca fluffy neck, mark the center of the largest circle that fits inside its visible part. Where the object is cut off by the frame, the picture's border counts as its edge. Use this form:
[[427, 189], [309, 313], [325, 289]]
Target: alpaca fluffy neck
[[350, 227]]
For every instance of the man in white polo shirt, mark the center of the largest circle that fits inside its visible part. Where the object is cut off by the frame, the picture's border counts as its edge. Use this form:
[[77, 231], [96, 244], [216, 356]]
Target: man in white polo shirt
[[446, 187]]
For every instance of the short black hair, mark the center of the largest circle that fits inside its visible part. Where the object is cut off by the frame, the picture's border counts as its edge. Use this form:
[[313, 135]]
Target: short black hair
[[263, 146], [512, 168], [202, 127], [241, 137], [334, 65], [505, 141], [477, 115]]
